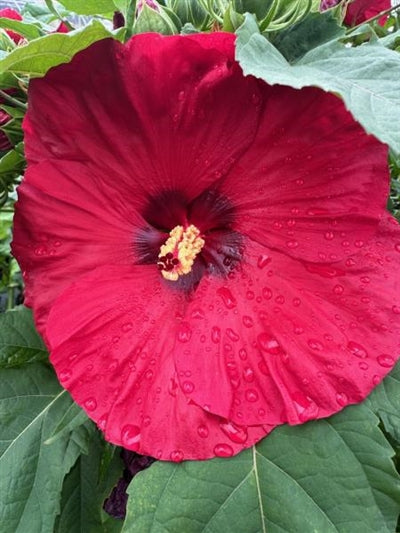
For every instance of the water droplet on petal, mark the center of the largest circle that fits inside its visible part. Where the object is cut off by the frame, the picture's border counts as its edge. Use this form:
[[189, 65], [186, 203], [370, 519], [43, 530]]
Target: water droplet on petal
[[102, 422], [314, 344], [329, 235], [127, 327], [232, 335], [176, 456], [338, 289], [227, 297], [357, 350], [130, 436], [187, 387], [385, 360], [269, 344], [306, 408], [223, 450], [235, 433], [262, 366], [172, 387], [267, 293], [342, 399], [247, 321], [248, 374], [263, 260], [396, 310], [251, 395], [184, 332], [363, 365], [215, 334], [397, 247], [65, 375], [90, 404], [292, 244], [202, 431]]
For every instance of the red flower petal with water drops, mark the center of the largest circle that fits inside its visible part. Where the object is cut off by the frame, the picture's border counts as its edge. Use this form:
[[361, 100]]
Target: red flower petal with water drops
[[359, 11], [172, 226], [287, 341], [300, 189], [115, 354]]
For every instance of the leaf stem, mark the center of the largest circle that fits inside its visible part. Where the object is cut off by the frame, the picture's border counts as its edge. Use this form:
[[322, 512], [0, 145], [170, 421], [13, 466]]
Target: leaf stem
[[12, 100]]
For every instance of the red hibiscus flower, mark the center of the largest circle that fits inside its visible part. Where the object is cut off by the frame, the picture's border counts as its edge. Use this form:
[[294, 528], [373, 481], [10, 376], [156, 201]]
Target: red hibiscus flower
[[360, 10], [207, 256], [14, 15]]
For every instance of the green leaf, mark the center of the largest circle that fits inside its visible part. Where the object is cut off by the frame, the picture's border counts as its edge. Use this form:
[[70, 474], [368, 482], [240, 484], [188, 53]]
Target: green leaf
[[150, 20], [85, 490], [38, 56], [73, 418], [30, 31], [326, 476], [89, 7], [385, 402], [19, 341], [366, 77], [259, 8], [32, 473], [316, 29]]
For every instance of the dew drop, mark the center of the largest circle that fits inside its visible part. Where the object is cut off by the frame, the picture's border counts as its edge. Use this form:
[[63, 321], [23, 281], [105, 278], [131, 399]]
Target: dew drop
[[357, 349], [251, 395], [215, 334], [65, 375], [187, 387], [227, 297], [363, 365], [90, 404], [269, 344], [397, 247], [338, 289], [247, 321], [232, 335], [263, 368], [296, 302], [130, 436], [172, 387], [243, 354], [176, 456], [385, 360], [263, 261], [235, 433], [184, 332], [102, 422], [329, 235], [314, 344], [248, 374], [342, 399], [292, 244], [127, 327], [202, 431], [267, 293], [223, 450], [396, 310]]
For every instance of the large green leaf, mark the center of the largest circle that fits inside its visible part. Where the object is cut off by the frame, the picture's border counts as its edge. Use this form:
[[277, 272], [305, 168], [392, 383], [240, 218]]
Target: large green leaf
[[89, 7], [85, 489], [32, 473], [385, 401], [38, 56], [366, 77], [327, 476], [19, 341]]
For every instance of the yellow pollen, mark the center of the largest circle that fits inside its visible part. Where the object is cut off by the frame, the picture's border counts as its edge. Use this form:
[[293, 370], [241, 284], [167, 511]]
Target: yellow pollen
[[177, 255]]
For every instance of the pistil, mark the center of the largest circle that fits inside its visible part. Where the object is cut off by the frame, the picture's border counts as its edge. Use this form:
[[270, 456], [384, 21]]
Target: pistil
[[179, 252]]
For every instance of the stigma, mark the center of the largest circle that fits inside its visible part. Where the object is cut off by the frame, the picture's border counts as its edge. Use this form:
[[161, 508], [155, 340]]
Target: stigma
[[179, 252]]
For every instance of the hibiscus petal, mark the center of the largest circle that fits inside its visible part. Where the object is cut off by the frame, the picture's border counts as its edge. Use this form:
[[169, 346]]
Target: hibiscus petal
[[67, 223], [314, 186], [134, 112], [112, 337], [287, 340]]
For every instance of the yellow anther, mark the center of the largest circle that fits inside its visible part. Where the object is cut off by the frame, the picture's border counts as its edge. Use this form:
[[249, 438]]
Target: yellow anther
[[177, 255]]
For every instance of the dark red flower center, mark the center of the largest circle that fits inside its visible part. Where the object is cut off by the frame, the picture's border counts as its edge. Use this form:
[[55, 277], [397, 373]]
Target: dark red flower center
[[187, 238]]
